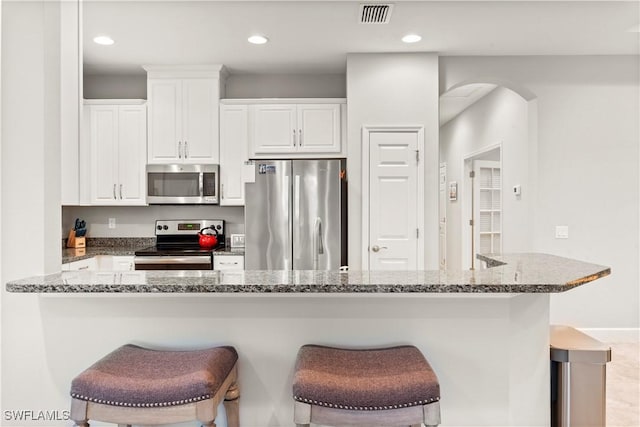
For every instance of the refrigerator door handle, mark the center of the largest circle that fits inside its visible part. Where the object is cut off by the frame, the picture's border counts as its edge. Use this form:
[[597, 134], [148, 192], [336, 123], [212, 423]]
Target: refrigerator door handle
[[320, 244], [318, 247], [287, 260], [296, 211]]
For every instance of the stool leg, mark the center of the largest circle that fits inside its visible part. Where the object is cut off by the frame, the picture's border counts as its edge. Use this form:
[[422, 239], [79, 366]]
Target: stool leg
[[79, 413], [301, 414], [232, 406]]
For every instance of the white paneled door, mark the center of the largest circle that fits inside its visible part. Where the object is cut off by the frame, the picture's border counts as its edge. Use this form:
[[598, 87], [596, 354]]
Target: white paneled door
[[394, 201]]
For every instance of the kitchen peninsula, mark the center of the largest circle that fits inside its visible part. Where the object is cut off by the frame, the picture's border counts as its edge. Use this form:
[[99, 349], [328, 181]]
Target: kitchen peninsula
[[485, 332]]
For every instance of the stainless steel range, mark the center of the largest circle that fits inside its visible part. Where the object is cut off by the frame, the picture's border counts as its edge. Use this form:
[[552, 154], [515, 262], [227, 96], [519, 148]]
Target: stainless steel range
[[177, 246]]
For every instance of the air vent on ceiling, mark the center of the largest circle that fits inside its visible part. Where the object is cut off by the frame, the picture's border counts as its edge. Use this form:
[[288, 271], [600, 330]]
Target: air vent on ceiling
[[375, 13]]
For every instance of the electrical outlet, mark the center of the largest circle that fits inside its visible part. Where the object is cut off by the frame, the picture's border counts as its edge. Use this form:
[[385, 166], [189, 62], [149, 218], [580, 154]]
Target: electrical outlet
[[237, 240], [112, 223], [562, 231]]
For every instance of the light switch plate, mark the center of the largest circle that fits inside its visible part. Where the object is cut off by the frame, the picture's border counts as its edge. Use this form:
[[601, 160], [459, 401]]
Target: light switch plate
[[237, 240], [562, 231]]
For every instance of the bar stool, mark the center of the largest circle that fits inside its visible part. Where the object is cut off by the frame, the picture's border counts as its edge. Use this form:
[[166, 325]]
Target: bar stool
[[383, 387], [135, 385]]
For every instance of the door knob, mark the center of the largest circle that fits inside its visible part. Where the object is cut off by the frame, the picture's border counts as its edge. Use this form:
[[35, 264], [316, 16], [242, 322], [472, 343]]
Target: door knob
[[376, 248]]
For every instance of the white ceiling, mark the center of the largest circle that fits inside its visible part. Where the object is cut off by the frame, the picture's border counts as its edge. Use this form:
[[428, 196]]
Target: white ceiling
[[315, 36]]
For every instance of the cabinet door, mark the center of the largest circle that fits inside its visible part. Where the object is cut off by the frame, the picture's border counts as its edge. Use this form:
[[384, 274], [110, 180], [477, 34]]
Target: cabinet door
[[318, 128], [228, 262], [132, 132], [165, 116], [233, 153], [122, 263], [89, 264], [273, 128], [200, 120], [104, 140]]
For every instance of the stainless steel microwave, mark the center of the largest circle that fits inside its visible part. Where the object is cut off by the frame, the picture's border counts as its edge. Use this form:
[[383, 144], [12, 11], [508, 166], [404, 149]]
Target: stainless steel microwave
[[182, 184]]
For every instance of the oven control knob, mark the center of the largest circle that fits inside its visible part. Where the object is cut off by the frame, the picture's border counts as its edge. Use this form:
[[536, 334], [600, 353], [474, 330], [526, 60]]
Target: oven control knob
[[219, 227], [165, 227], [159, 227]]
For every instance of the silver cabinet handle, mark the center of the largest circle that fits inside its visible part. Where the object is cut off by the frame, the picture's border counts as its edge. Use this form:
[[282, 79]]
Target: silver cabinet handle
[[294, 137], [222, 191], [179, 149], [186, 150], [376, 248], [121, 191], [300, 137], [114, 191]]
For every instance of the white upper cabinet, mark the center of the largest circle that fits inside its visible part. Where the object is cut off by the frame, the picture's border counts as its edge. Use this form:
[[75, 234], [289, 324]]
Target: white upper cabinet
[[233, 153], [319, 128], [117, 145], [165, 120], [296, 129], [200, 120], [183, 114], [274, 128]]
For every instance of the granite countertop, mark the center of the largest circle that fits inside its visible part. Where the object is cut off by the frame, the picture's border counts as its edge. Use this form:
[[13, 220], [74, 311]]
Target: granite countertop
[[514, 273]]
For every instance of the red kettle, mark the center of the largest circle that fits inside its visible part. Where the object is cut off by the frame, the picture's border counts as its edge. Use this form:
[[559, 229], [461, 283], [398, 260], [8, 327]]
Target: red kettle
[[208, 241]]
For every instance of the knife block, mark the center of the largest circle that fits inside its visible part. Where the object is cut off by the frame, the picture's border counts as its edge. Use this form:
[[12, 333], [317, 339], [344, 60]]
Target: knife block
[[75, 242]]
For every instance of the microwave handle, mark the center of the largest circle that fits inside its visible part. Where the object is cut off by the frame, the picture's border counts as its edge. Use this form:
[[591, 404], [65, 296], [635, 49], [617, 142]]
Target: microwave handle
[[201, 183]]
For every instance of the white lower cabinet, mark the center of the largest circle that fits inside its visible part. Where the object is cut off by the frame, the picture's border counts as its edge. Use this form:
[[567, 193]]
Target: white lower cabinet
[[89, 264], [122, 263], [228, 262], [101, 263]]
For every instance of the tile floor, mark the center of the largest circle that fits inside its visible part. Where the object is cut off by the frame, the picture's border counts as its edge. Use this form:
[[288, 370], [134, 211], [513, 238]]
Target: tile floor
[[623, 385]]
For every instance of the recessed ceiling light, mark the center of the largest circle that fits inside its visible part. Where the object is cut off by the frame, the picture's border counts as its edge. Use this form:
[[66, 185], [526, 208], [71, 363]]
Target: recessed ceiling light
[[103, 40], [411, 38], [257, 39]]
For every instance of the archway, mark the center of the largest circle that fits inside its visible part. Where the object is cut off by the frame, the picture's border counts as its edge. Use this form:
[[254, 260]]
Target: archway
[[493, 118]]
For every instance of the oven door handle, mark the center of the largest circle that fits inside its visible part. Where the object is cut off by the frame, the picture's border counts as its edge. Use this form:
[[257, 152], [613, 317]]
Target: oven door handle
[[170, 259]]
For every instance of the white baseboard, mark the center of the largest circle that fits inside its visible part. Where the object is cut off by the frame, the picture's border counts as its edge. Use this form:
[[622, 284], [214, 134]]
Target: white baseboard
[[630, 335]]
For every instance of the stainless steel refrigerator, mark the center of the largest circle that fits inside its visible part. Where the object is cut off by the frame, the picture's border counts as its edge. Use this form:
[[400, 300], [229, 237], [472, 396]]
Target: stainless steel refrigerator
[[295, 215]]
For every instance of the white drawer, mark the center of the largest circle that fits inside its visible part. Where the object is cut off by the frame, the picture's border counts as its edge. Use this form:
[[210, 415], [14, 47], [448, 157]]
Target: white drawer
[[228, 262], [85, 264]]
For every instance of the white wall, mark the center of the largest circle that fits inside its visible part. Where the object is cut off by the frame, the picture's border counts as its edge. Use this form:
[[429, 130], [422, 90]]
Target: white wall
[[1, 200], [286, 86], [115, 86], [128, 86], [587, 156], [501, 117], [30, 191], [138, 221], [392, 89]]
